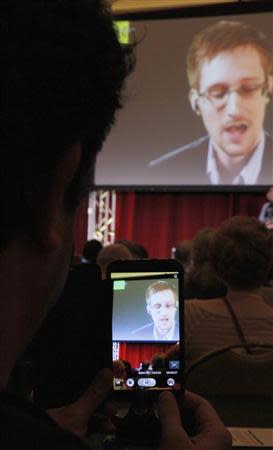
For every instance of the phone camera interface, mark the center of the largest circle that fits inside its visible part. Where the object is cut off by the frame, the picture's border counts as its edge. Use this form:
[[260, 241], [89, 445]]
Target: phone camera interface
[[146, 334]]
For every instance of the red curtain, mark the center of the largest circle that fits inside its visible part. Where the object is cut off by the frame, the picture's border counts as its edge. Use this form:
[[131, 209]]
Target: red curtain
[[160, 220], [137, 353]]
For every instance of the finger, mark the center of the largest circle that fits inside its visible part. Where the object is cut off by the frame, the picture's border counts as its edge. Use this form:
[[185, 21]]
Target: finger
[[204, 414], [208, 425], [108, 408], [97, 392], [100, 423], [173, 434]]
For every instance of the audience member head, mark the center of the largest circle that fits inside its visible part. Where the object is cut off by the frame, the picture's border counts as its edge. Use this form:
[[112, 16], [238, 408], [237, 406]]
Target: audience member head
[[201, 280], [138, 251], [241, 253], [119, 369], [182, 253], [128, 367], [91, 250], [62, 73], [201, 246], [110, 253], [158, 361], [173, 352]]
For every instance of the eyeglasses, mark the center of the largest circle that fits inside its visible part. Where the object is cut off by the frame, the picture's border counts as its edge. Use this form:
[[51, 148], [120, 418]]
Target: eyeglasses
[[158, 306], [219, 94]]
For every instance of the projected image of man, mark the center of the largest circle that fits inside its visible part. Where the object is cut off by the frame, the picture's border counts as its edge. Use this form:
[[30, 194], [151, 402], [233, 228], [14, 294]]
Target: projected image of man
[[161, 305], [229, 71]]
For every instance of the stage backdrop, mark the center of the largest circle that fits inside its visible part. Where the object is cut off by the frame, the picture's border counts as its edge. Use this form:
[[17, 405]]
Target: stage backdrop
[[160, 220]]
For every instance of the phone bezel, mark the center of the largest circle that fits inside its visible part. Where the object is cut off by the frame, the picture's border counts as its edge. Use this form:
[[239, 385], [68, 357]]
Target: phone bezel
[[153, 265]]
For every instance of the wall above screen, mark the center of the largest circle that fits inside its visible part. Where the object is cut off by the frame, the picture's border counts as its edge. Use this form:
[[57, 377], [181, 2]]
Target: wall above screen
[[129, 6], [202, 124]]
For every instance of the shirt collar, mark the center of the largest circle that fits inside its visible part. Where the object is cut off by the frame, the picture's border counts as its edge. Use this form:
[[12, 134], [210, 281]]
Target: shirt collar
[[249, 173], [167, 337]]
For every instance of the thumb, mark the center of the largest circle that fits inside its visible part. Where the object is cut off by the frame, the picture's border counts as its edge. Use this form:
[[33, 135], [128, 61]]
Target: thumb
[[173, 434], [97, 392]]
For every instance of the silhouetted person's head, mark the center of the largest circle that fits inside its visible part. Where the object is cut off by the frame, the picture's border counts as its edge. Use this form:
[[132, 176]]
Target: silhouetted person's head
[[62, 73], [91, 250], [241, 253]]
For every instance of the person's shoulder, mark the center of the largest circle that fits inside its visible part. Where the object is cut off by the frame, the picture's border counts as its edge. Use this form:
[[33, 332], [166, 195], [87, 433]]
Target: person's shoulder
[[23, 425], [203, 305]]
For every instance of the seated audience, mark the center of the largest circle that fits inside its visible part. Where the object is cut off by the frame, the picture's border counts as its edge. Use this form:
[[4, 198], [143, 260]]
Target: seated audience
[[241, 257], [201, 280]]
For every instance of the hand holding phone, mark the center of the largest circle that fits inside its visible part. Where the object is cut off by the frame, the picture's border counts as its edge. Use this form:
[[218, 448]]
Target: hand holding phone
[[147, 340], [207, 432]]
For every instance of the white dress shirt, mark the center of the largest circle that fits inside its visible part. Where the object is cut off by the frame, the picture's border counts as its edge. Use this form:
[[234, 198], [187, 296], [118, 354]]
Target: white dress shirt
[[248, 174]]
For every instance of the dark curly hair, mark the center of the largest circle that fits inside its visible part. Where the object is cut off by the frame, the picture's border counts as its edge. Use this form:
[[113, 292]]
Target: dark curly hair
[[241, 252], [62, 72]]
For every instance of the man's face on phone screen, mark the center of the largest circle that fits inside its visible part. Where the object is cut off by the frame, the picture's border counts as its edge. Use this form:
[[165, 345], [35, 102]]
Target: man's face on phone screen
[[162, 307]]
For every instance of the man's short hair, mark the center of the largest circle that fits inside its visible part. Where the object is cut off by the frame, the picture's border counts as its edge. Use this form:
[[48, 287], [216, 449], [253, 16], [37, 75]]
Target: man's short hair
[[241, 252], [62, 72], [221, 36], [138, 250], [201, 246], [158, 286]]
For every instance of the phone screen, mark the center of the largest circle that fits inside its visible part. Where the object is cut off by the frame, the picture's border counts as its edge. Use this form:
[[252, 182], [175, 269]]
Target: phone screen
[[147, 330]]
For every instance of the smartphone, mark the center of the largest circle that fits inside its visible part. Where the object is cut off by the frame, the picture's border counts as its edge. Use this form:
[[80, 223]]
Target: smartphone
[[147, 327]]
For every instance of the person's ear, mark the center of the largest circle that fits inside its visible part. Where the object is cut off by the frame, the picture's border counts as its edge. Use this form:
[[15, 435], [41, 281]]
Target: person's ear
[[194, 101], [148, 309], [56, 219]]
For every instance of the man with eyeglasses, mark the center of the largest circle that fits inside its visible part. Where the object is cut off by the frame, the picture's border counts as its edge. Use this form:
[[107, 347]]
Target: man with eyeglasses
[[229, 68], [161, 305]]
